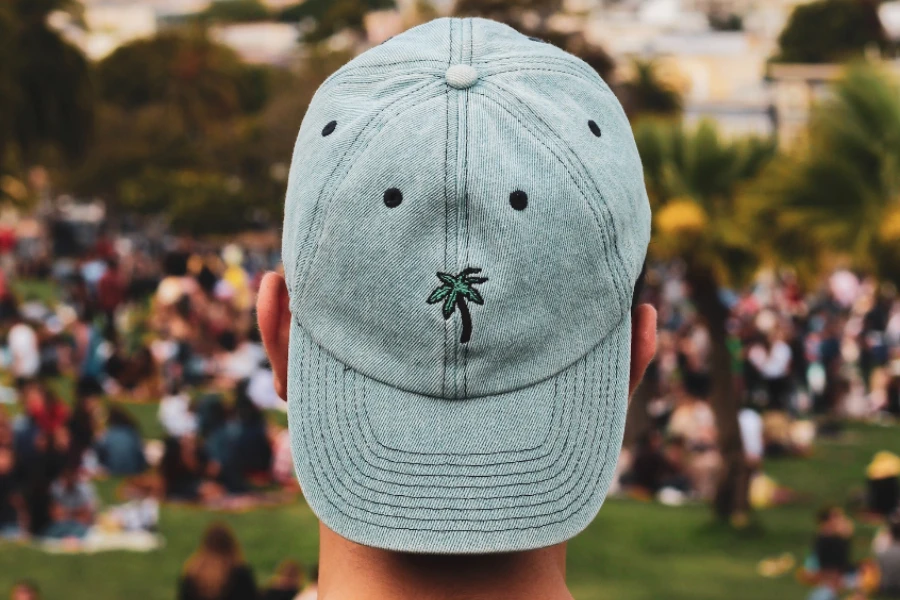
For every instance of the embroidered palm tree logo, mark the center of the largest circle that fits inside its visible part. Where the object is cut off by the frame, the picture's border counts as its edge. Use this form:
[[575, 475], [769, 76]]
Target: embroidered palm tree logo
[[454, 292]]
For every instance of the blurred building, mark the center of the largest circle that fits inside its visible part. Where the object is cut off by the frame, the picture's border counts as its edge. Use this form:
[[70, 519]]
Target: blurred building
[[721, 74], [108, 24], [259, 43]]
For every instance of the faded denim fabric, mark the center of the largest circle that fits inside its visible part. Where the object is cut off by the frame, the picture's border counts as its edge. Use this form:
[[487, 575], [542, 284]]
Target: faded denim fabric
[[465, 221]]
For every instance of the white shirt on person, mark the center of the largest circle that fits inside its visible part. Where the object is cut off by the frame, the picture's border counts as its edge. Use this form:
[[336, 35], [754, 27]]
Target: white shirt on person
[[751, 425], [773, 364], [175, 415], [243, 362], [23, 347], [261, 390]]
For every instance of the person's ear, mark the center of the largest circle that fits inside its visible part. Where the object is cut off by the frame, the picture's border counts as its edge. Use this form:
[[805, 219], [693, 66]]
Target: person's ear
[[274, 315], [643, 343]]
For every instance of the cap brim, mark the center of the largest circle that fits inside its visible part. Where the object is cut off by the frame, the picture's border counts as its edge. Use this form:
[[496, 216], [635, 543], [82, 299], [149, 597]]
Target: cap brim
[[366, 459]]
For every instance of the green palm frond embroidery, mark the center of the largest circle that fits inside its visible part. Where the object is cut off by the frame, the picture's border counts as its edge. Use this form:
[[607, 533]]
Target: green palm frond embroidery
[[454, 292]]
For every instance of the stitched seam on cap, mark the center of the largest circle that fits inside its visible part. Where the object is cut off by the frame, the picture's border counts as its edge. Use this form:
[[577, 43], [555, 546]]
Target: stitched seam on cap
[[584, 495], [574, 160], [352, 69], [604, 233], [559, 65], [392, 504], [325, 201], [573, 470], [363, 444], [326, 193], [450, 520]]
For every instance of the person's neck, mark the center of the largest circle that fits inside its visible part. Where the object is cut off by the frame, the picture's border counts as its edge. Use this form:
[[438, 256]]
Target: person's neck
[[349, 571]]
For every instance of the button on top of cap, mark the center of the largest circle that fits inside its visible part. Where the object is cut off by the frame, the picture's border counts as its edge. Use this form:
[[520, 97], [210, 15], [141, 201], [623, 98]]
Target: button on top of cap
[[461, 76]]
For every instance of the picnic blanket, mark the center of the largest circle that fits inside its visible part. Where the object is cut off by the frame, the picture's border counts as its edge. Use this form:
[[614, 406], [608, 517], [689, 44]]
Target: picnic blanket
[[98, 540]]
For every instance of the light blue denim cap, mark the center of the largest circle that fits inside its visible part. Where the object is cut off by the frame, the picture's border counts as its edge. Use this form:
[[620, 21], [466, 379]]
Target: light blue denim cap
[[465, 222]]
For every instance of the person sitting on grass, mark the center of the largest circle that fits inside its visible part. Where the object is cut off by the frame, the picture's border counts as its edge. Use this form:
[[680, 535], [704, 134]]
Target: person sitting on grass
[[659, 464], [833, 540], [44, 408], [217, 570], [187, 473], [889, 561], [74, 505], [253, 450], [311, 591], [83, 422], [883, 483], [828, 565], [10, 498], [121, 449], [287, 583]]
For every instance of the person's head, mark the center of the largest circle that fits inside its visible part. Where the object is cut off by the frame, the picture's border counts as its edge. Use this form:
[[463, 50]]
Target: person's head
[[25, 590], [68, 477], [61, 440], [828, 518], [210, 566], [88, 388], [288, 575], [34, 396], [219, 540], [458, 328]]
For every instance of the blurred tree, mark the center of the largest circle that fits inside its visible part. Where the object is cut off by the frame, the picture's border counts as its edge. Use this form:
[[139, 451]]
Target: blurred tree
[[46, 98], [825, 31], [533, 18], [206, 82], [328, 17], [235, 11], [725, 21], [418, 12], [148, 150], [528, 16], [702, 216], [193, 202], [842, 188], [645, 93]]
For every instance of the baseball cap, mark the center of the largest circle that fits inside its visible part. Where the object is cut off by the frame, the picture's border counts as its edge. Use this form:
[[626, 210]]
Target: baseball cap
[[465, 222]]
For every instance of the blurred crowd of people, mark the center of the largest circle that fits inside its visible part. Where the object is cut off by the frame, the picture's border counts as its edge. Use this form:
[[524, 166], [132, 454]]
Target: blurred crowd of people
[[128, 320], [801, 365], [170, 323], [218, 571]]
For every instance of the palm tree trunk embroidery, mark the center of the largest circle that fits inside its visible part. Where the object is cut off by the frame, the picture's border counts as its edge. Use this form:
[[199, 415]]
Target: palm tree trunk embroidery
[[466, 321], [454, 292]]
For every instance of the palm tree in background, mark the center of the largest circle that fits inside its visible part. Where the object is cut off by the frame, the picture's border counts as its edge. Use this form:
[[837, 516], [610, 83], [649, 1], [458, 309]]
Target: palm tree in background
[[46, 98], [841, 188], [646, 93], [696, 182], [454, 292]]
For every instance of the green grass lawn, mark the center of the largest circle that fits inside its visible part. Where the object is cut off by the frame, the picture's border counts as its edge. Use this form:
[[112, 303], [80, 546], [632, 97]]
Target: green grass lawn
[[632, 551], [36, 290]]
